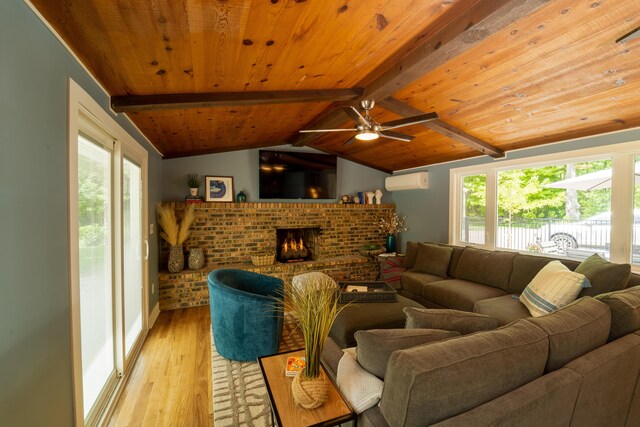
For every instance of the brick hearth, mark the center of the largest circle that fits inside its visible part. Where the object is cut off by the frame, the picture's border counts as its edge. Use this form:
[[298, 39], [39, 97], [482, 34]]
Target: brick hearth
[[230, 233]]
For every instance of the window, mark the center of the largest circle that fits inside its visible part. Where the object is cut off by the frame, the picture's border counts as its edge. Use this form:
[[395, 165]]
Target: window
[[563, 209], [570, 204]]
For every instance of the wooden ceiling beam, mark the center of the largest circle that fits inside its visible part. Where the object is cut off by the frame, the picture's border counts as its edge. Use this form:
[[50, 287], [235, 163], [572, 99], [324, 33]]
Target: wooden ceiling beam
[[459, 34], [136, 103], [437, 125]]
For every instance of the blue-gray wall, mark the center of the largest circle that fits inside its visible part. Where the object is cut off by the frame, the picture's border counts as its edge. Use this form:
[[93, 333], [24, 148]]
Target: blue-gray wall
[[35, 349], [428, 210], [243, 167]]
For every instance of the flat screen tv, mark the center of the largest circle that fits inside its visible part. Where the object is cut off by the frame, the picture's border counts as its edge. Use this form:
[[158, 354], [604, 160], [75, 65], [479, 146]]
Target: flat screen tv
[[297, 175]]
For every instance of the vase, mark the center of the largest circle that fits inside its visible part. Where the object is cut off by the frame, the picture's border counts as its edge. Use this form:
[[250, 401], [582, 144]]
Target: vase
[[391, 243], [176, 259], [196, 259], [241, 197], [193, 191], [310, 392]]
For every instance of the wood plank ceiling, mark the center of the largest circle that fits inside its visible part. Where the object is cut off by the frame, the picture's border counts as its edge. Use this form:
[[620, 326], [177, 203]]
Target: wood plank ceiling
[[511, 73]]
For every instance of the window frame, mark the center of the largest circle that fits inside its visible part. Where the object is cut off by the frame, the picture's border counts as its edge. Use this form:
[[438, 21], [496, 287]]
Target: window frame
[[623, 156]]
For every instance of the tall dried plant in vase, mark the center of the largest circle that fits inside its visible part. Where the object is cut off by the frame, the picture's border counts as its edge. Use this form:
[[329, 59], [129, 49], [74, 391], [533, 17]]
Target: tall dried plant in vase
[[314, 302], [175, 234]]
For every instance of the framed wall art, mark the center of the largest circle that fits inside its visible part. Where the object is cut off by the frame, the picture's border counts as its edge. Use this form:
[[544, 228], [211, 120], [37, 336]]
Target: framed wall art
[[218, 188]]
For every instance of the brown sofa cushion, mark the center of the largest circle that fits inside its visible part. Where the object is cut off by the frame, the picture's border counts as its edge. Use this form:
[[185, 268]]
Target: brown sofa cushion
[[547, 401], [433, 259], [604, 276], [491, 268], [505, 308], [462, 322], [458, 294], [625, 311], [609, 374], [525, 268], [376, 345], [427, 384], [413, 281], [410, 255], [371, 315], [574, 330]]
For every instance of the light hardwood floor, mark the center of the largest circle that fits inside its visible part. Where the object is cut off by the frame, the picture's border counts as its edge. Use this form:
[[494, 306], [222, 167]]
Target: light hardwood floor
[[171, 381]]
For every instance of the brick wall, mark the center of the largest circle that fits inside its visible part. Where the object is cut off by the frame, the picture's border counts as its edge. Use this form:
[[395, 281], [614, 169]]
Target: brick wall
[[230, 232]]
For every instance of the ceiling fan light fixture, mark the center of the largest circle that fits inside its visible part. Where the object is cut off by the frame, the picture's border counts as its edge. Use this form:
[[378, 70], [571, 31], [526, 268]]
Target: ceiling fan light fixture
[[366, 135]]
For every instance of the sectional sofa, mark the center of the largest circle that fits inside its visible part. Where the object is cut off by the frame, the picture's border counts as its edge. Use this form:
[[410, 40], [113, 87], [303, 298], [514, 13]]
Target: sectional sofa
[[578, 366], [489, 282]]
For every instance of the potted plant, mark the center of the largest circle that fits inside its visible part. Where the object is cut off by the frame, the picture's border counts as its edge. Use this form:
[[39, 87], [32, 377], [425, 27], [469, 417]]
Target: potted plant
[[314, 302], [175, 235], [392, 224], [193, 181]]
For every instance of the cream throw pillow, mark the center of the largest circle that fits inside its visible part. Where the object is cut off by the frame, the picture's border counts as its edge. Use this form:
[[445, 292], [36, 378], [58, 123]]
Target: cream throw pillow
[[552, 288]]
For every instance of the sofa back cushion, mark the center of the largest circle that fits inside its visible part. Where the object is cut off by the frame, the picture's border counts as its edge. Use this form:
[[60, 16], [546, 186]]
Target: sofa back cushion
[[433, 259], [376, 345], [427, 384], [456, 253], [525, 268], [603, 275], [574, 330], [462, 322], [410, 255], [625, 311], [491, 268], [609, 377]]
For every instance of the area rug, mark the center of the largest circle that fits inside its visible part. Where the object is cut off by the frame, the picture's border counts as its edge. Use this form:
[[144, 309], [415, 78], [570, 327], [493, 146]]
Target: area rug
[[239, 394]]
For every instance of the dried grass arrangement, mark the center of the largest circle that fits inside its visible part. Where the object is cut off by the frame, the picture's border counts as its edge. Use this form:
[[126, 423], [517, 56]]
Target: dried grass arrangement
[[175, 235], [315, 305]]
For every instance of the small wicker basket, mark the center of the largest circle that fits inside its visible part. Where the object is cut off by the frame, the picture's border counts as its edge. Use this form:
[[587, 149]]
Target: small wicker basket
[[262, 259]]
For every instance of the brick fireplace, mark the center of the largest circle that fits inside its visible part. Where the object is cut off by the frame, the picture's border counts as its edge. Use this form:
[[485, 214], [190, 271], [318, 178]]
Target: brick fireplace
[[298, 244], [229, 233]]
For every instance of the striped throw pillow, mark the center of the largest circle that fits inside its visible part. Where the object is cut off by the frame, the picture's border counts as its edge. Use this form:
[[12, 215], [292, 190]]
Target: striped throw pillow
[[552, 288]]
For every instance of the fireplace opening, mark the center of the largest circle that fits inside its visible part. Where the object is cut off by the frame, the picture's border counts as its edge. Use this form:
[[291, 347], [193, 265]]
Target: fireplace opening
[[297, 244]]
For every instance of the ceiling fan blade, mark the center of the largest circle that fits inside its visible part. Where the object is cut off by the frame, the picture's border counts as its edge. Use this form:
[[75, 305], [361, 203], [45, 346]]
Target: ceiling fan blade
[[407, 121], [396, 135], [325, 130], [350, 141], [355, 115]]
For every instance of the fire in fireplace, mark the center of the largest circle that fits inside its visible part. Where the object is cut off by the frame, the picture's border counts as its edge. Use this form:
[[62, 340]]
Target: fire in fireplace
[[296, 244]]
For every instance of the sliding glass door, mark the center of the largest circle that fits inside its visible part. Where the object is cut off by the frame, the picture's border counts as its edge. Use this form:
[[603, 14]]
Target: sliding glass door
[[95, 228], [132, 252], [108, 255]]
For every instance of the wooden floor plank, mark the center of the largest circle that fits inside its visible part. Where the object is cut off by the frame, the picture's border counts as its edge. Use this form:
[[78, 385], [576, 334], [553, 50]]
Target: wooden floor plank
[[170, 384]]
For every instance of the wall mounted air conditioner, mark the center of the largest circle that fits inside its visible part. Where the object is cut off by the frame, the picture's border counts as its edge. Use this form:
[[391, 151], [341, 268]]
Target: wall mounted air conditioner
[[409, 181]]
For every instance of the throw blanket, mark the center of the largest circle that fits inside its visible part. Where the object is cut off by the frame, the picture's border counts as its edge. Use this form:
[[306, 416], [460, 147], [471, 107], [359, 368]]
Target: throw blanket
[[359, 387]]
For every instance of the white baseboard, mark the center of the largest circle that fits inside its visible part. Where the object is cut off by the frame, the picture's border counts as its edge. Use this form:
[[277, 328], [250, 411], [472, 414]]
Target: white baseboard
[[153, 316]]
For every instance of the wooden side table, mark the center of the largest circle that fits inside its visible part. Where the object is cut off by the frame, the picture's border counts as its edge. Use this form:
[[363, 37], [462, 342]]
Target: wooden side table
[[286, 412]]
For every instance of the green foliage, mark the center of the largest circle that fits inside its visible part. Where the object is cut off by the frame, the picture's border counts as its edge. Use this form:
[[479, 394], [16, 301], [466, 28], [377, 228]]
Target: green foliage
[[522, 193], [475, 190], [193, 180], [91, 235]]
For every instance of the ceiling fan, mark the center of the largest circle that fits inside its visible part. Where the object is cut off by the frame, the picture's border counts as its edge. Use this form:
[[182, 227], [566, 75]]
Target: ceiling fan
[[368, 129]]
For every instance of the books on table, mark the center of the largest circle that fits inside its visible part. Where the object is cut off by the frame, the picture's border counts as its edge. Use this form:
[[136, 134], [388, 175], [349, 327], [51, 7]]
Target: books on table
[[295, 364]]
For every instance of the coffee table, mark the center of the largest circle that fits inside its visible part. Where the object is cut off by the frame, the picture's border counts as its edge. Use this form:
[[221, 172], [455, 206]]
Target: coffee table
[[283, 408]]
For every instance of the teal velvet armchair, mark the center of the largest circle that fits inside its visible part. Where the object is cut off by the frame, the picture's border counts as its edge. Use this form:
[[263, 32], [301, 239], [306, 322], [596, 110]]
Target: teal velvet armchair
[[246, 316]]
